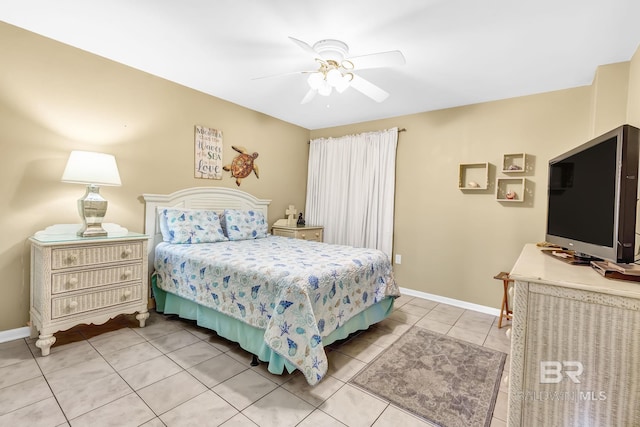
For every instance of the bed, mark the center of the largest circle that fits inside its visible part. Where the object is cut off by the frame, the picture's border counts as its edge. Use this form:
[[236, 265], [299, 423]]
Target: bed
[[283, 300]]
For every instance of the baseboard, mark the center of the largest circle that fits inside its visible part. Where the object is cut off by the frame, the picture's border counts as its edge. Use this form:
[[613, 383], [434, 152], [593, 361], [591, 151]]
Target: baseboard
[[18, 333], [14, 334], [456, 303]]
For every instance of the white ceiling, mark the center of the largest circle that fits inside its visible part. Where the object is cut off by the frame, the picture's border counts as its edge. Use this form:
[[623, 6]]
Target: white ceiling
[[458, 52]]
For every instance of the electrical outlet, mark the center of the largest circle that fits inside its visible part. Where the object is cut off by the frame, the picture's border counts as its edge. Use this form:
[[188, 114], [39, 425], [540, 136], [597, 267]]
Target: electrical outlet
[[398, 259]]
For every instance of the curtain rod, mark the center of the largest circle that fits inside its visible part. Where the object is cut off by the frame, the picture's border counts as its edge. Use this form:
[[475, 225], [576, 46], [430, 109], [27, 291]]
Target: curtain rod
[[399, 130]]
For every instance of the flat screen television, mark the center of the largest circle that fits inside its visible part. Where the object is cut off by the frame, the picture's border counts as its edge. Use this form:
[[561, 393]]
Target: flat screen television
[[592, 197]]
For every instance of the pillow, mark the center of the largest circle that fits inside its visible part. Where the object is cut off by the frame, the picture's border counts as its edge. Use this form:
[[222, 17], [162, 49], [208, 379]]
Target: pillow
[[190, 226], [244, 225]]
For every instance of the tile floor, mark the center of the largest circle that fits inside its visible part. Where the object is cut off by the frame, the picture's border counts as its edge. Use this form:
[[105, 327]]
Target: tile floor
[[174, 373]]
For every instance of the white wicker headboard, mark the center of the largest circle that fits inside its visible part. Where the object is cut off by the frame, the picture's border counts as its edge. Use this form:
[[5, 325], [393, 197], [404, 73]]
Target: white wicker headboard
[[214, 198]]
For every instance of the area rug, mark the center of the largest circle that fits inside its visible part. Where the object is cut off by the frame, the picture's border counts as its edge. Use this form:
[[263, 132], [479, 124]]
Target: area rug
[[444, 380]]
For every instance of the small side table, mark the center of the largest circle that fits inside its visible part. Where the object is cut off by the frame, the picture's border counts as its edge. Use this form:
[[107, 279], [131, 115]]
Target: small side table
[[505, 313]]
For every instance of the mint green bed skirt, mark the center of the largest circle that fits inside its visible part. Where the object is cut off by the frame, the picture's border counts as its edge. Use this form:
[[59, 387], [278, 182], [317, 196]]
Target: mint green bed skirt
[[249, 337]]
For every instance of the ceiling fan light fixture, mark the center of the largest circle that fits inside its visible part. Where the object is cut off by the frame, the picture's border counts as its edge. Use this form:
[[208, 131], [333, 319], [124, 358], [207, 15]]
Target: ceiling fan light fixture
[[334, 77], [315, 80], [337, 70], [330, 49], [343, 83], [324, 89], [347, 65]]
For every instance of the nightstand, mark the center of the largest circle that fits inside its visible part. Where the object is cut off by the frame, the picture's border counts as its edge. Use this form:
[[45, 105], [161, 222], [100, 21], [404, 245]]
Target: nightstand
[[311, 233], [78, 280]]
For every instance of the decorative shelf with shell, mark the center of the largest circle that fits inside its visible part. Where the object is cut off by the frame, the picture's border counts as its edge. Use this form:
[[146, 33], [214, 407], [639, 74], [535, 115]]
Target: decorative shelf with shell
[[514, 163], [473, 176], [510, 189]]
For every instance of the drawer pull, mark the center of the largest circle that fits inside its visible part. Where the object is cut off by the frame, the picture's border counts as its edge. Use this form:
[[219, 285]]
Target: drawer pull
[[126, 294], [317, 234], [73, 281], [127, 253], [72, 258], [73, 304], [127, 274], [303, 235]]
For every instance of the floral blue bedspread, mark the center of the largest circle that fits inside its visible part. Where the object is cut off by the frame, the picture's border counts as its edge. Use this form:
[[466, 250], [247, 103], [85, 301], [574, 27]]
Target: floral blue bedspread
[[297, 291]]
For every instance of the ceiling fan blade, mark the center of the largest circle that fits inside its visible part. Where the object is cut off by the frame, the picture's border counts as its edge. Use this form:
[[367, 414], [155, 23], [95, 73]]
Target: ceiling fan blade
[[305, 46], [309, 96], [270, 76], [378, 60], [368, 88]]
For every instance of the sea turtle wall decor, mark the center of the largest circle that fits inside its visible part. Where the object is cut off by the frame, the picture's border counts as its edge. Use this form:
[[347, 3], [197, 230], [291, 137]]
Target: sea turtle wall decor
[[242, 165]]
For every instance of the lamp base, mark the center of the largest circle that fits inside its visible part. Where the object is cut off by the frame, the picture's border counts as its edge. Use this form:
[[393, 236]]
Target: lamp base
[[92, 231], [92, 208]]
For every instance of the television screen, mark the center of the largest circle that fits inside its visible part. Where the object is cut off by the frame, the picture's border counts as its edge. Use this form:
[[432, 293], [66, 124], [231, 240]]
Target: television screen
[[582, 190], [592, 196]]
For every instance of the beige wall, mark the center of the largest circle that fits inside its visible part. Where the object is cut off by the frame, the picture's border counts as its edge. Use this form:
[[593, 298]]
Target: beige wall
[[452, 242], [633, 100], [54, 99], [609, 93]]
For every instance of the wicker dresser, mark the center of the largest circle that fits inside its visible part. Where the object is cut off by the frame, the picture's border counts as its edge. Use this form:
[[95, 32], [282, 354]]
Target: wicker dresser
[[575, 345], [312, 233], [78, 280]]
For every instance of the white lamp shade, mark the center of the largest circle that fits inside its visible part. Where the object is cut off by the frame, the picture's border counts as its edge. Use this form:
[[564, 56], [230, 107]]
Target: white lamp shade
[[333, 77], [315, 80], [343, 83], [324, 89], [86, 167]]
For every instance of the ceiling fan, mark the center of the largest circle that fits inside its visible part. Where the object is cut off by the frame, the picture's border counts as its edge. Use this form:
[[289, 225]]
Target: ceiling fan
[[337, 70]]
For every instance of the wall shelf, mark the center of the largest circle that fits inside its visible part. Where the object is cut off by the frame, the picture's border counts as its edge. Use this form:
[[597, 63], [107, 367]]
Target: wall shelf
[[514, 163], [473, 173], [507, 186]]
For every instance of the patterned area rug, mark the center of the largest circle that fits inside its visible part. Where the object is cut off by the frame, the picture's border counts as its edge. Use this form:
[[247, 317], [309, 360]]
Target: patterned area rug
[[444, 380]]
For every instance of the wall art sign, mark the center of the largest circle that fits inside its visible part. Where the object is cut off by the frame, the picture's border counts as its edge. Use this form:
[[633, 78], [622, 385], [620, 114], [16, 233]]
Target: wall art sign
[[208, 153]]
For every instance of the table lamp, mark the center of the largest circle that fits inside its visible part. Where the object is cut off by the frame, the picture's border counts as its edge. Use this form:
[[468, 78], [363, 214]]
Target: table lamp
[[94, 170]]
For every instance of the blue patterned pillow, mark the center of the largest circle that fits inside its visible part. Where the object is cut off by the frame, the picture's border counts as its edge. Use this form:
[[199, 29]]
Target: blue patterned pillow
[[191, 226], [244, 225]]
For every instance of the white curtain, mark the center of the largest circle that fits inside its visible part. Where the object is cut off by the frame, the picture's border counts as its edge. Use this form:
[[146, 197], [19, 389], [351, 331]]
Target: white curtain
[[351, 188]]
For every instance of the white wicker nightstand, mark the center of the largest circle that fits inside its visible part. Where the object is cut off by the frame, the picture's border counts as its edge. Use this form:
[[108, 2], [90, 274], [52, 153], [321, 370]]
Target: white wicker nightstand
[[77, 280]]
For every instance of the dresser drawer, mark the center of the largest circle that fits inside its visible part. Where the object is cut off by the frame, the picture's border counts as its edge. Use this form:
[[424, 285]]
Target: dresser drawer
[[311, 235], [78, 256], [84, 279], [83, 302], [284, 233]]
